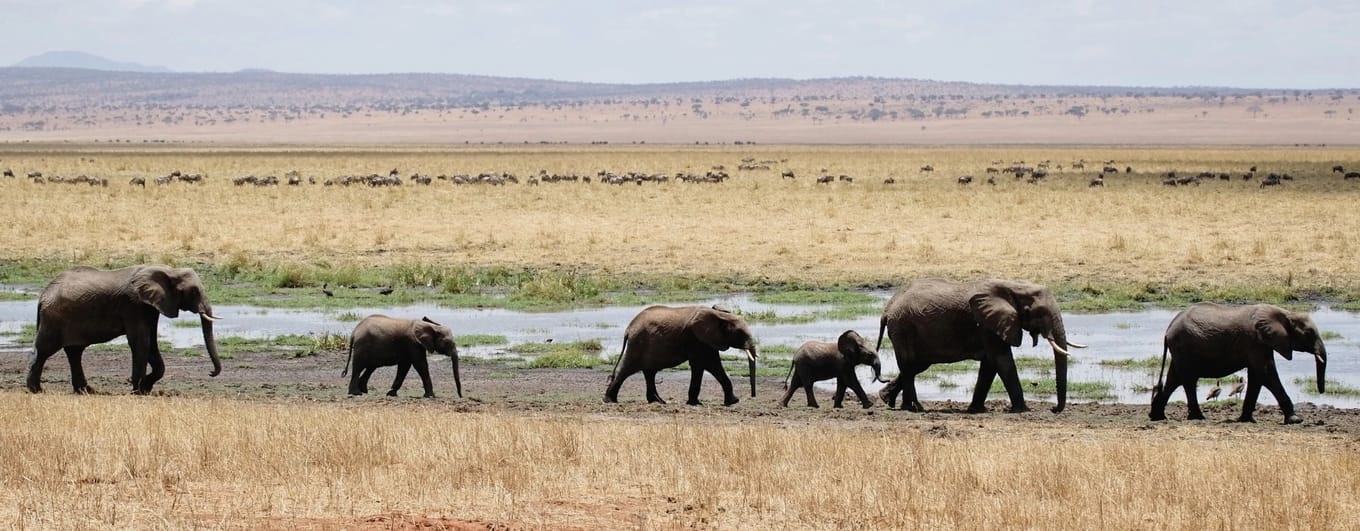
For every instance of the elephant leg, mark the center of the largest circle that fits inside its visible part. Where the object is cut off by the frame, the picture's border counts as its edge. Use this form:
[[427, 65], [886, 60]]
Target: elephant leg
[[1191, 384], [909, 400], [1159, 400], [78, 382], [43, 348], [140, 346], [363, 380], [1272, 382], [358, 384], [401, 377], [422, 367], [720, 374], [1254, 380], [888, 394], [838, 398], [863, 397], [795, 382], [986, 375], [807, 384], [611, 393], [1010, 377], [157, 363], [652, 395]]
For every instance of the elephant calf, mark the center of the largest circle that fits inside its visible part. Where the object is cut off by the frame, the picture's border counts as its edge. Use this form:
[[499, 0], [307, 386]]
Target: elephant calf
[[380, 341], [818, 360]]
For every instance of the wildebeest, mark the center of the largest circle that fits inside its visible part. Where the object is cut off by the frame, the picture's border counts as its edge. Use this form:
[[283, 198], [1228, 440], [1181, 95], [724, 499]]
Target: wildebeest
[[966, 179], [1097, 181], [927, 167], [890, 180], [9, 172], [1352, 175], [138, 181], [788, 174], [826, 179], [1270, 180], [1338, 169]]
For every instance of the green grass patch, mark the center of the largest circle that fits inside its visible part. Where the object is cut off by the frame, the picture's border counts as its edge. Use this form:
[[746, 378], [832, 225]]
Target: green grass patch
[[777, 350], [186, 323], [1309, 385], [1123, 326], [564, 360], [1328, 335], [25, 335], [838, 313], [1132, 364], [811, 297], [480, 340], [947, 384], [9, 296], [1045, 387], [590, 346], [502, 375], [348, 317]]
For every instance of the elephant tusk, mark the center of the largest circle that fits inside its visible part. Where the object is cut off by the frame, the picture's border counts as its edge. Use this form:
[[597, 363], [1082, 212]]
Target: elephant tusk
[[210, 317], [1075, 345], [751, 355], [1057, 348]]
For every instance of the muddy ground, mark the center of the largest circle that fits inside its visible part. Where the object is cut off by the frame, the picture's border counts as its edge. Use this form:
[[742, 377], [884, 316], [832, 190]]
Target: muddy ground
[[492, 387]]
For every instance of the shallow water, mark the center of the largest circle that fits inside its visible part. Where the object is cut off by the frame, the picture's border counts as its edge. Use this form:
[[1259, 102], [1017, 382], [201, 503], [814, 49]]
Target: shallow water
[[1113, 336]]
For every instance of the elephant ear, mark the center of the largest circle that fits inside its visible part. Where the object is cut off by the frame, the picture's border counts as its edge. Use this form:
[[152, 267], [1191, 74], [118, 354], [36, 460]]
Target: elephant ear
[[153, 286], [849, 343], [994, 311], [424, 333], [711, 328], [1271, 326]]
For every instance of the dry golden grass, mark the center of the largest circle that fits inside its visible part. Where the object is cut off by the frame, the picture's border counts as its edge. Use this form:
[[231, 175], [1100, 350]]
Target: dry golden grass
[[1135, 230], [131, 462]]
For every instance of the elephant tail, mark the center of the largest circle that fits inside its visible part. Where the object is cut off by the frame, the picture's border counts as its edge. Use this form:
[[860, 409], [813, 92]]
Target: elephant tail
[[615, 371], [1157, 389], [788, 378], [348, 357], [882, 325]]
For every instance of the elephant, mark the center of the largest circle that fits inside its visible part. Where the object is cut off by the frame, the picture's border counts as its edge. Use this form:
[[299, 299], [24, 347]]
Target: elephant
[[818, 360], [939, 321], [1210, 340], [661, 337], [380, 341], [84, 306]]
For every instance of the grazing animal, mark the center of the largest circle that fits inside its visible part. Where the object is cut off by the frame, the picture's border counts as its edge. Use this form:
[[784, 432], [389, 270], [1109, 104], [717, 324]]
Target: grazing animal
[[138, 181], [927, 167], [826, 179], [788, 174], [9, 172], [1338, 169], [966, 179], [890, 180], [1351, 175], [1098, 181], [991, 180], [385, 291]]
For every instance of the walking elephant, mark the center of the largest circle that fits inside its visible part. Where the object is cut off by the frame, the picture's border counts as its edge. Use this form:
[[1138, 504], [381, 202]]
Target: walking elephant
[[818, 360], [84, 306], [938, 321], [661, 337], [1211, 340], [381, 341]]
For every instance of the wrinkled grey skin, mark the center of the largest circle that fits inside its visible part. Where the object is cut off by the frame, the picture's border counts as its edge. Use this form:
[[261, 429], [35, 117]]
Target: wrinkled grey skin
[[381, 341], [818, 360], [939, 321], [84, 306], [661, 337], [1211, 340]]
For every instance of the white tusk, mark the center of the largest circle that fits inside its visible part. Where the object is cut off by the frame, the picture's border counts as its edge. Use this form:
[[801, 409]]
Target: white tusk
[[209, 316], [1057, 348], [751, 356], [1075, 345]]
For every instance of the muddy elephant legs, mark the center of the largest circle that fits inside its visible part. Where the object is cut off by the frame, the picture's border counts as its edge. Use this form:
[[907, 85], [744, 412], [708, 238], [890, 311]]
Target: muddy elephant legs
[[696, 379], [78, 382], [36, 360], [402, 368], [653, 397], [991, 367], [795, 383], [1268, 377], [145, 352]]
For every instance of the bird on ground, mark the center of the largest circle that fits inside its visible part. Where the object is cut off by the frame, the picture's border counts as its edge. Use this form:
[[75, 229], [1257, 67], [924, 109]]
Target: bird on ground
[[1213, 392], [327, 292], [1237, 387], [385, 291]]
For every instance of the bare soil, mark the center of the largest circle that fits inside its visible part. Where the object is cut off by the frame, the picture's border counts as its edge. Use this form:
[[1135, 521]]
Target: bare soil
[[495, 388]]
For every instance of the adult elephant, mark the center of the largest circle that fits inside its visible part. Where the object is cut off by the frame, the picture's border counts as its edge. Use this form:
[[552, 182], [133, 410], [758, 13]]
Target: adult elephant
[[380, 341], [938, 321], [84, 306], [1211, 340], [661, 337]]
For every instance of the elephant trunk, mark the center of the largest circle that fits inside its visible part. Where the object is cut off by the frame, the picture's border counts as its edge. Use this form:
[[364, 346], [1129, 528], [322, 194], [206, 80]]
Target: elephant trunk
[[878, 371], [457, 378], [1060, 364], [1321, 358], [206, 319]]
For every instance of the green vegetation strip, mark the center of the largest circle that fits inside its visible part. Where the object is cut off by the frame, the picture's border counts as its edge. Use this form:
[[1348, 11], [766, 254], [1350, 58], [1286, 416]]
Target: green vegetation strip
[[1309, 385]]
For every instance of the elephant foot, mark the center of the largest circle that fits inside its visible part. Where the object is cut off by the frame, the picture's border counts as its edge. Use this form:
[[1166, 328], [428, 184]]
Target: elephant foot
[[1247, 418], [655, 400], [866, 404], [1292, 419], [84, 390], [428, 395], [1018, 409], [34, 388], [1195, 416], [611, 400], [693, 402], [977, 408], [1056, 409], [837, 406], [731, 400], [392, 393], [1157, 416]]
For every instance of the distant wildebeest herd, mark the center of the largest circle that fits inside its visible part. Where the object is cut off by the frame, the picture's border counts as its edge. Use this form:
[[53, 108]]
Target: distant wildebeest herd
[[1035, 174], [929, 321]]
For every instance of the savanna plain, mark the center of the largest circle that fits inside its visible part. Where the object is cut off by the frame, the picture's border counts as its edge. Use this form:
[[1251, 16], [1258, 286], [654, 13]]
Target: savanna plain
[[532, 446]]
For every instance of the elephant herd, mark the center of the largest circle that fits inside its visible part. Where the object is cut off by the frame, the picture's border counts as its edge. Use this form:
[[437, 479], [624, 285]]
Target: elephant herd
[[929, 321]]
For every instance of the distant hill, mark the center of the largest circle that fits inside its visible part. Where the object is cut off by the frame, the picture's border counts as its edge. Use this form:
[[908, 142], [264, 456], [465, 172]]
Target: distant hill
[[73, 59]]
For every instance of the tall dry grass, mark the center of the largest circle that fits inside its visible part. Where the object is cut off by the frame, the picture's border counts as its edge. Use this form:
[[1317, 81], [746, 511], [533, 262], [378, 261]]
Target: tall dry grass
[[1134, 230], [131, 462]]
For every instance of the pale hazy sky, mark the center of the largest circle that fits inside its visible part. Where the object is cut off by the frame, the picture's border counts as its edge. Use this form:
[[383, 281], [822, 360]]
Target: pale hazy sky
[[1244, 43]]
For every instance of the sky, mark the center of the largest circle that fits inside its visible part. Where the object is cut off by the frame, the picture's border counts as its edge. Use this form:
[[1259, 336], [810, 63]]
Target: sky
[[1306, 44]]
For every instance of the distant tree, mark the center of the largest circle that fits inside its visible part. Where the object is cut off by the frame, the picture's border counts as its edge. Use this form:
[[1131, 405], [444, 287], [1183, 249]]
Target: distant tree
[[1254, 110], [1076, 110]]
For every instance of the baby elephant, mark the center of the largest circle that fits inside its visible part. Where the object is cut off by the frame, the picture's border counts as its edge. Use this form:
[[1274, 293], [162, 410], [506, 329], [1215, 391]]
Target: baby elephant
[[380, 341], [817, 360]]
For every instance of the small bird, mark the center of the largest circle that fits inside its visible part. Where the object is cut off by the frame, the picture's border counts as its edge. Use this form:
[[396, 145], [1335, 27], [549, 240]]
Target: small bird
[[328, 293], [1213, 392], [385, 291], [1237, 387]]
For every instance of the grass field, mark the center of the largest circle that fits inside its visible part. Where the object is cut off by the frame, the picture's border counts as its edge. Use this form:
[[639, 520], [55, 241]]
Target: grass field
[[176, 462]]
